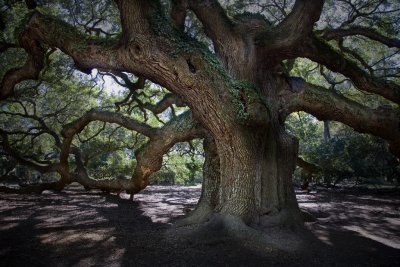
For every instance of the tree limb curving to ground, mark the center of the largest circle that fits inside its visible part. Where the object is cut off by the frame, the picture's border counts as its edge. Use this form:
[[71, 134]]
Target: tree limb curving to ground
[[235, 74]]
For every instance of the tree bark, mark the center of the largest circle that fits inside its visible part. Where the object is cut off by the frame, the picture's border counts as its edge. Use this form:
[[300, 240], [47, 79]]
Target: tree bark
[[209, 198], [256, 166], [250, 178]]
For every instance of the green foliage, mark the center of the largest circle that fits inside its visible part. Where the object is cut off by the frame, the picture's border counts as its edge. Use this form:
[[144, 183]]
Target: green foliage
[[12, 58], [346, 155], [185, 162], [243, 93]]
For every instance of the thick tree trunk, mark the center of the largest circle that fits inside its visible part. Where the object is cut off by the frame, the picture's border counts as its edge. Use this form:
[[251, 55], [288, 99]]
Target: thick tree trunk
[[250, 178], [279, 205], [257, 160]]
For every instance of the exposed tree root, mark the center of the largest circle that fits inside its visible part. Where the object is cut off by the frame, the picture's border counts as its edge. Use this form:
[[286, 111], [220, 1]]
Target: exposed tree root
[[223, 228], [285, 218], [201, 214], [307, 217]]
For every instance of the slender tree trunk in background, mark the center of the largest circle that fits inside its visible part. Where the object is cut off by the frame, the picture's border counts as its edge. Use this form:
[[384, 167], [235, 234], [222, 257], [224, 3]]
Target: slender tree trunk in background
[[327, 134]]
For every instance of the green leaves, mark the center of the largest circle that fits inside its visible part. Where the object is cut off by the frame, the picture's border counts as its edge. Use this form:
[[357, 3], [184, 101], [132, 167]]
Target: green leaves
[[346, 155]]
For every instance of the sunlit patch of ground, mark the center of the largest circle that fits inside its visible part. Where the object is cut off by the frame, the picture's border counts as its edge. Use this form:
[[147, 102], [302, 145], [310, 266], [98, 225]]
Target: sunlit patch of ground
[[163, 203], [371, 216], [78, 228]]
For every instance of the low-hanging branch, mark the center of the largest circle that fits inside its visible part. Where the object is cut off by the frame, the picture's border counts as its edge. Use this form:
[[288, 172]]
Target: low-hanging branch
[[149, 156], [329, 105], [107, 116], [43, 168]]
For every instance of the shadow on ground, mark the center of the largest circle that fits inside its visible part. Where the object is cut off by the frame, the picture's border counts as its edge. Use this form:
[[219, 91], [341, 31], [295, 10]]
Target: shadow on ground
[[78, 228]]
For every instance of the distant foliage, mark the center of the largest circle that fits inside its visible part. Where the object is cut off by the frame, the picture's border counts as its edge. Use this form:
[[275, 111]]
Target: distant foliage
[[346, 156]]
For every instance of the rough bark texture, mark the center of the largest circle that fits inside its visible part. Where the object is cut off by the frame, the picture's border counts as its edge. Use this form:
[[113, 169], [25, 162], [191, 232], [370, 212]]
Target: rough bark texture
[[209, 198]]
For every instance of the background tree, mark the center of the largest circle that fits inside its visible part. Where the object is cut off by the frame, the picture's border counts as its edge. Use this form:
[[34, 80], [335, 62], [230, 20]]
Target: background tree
[[346, 156], [240, 79]]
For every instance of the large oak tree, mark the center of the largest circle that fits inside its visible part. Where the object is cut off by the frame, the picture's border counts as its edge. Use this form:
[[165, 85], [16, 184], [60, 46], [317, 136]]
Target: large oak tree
[[237, 84]]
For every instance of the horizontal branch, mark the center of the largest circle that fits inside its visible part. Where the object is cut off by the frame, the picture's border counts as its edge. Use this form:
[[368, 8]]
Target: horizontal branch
[[42, 168], [328, 105], [323, 53], [106, 116], [164, 103], [149, 157], [363, 31], [87, 52]]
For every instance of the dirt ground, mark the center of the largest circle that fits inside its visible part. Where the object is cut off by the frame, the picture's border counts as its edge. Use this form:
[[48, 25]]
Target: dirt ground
[[78, 228]]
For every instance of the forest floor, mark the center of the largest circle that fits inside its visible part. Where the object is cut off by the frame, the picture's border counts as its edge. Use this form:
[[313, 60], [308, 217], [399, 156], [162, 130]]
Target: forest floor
[[78, 228]]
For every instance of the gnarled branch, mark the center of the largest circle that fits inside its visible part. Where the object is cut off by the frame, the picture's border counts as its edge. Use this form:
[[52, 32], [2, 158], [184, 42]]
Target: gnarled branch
[[328, 105], [106, 116], [87, 52], [216, 23], [323, 53], [363, 31], [43, 168], [294, 28], [149, 157], [30, 70], [167, 101]]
